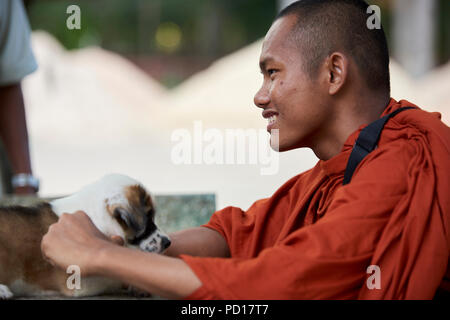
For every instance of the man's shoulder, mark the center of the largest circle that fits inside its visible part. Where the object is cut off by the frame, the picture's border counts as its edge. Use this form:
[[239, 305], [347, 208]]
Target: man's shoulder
[[408, 126], [414, 138], [422, 117]]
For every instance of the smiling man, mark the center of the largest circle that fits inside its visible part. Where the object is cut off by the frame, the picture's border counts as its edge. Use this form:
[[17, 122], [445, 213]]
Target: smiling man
[[311, 58], [326, 82]]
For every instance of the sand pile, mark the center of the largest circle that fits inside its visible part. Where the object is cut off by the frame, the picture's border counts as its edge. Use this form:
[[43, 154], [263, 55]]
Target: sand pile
[[91, 94]]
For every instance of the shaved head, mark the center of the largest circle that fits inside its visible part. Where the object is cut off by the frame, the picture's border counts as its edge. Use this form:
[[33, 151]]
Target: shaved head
[[326, 26]]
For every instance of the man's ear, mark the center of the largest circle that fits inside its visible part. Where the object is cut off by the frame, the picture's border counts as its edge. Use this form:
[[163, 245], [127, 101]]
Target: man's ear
[[337, 69]]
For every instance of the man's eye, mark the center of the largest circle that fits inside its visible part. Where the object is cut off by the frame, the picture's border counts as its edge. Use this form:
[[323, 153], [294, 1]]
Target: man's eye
[[270, 72]]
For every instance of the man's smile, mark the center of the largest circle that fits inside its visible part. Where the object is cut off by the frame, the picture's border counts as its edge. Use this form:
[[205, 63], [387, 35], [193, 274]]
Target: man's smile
[[272, 118]]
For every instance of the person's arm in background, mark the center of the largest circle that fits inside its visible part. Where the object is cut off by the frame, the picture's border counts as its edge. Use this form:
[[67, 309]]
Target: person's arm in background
[[16, 62], [13, 132]]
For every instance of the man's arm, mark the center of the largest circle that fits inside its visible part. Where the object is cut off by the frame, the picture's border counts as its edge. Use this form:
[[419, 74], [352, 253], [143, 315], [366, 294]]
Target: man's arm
[[13, 131], [199, 241], [164, 276], [158, 274], [74, 240]]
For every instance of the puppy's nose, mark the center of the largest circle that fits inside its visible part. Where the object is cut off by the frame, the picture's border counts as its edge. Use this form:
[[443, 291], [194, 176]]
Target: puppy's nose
[[165, 242]]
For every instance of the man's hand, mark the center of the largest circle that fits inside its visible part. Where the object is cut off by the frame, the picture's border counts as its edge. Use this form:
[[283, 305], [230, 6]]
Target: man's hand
[[75, 240]]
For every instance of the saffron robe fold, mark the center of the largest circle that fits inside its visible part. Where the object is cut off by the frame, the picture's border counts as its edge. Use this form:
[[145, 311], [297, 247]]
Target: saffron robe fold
[[315, 238]]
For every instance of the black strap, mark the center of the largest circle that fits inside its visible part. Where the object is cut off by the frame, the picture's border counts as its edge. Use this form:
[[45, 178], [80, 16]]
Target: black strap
[[367, 142]]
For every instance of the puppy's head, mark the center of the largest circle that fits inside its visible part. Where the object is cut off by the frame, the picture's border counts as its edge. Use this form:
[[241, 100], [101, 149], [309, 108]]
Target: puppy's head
[[134, 212]]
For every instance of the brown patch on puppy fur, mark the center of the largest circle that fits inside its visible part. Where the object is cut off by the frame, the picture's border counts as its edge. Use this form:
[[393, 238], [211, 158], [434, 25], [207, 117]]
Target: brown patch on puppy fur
[[21, 232], [138, 215], [138, 197]]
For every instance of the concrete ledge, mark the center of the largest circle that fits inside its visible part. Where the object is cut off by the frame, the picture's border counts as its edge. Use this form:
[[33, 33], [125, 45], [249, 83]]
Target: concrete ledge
[[173, 212]]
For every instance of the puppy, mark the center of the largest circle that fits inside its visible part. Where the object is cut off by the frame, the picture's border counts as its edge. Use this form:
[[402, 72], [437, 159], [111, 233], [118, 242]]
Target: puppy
[[117, 205]]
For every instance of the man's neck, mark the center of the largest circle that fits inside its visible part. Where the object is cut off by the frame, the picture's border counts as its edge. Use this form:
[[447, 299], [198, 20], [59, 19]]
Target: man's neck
[[348, 118]]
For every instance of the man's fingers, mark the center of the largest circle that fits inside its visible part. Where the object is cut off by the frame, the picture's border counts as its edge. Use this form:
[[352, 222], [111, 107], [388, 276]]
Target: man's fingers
[[44, 247], [118, 240], [81, 213], [73, 216]]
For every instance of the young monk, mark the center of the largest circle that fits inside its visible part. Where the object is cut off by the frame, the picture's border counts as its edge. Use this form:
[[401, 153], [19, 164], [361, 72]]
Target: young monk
[[326, 78]]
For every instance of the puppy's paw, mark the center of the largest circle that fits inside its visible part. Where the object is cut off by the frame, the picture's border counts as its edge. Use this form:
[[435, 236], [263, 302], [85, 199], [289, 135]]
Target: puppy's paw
[[138, 293], [5, 293]]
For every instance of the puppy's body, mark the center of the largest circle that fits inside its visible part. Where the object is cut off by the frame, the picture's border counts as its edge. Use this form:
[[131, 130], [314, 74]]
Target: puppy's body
[[22, 267], [116, 204]]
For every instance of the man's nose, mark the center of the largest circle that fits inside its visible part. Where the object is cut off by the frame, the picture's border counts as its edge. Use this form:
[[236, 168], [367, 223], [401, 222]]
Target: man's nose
[[261, 98]]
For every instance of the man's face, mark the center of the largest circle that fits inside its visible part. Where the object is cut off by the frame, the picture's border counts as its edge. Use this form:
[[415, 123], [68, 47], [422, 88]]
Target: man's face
[[292, 102]]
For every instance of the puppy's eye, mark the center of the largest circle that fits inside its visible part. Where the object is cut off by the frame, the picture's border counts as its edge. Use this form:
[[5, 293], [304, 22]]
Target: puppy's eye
[[125, 218], [134, 241]]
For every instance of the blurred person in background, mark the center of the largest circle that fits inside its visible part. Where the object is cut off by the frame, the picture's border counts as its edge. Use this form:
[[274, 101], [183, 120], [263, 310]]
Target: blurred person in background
[[16, 62]]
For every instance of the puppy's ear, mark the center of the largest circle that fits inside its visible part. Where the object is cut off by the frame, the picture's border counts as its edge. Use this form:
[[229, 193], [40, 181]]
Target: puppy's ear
[[126, 219]]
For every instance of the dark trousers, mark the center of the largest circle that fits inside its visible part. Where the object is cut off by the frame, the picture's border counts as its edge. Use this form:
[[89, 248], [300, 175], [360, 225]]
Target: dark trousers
[[5, 172]]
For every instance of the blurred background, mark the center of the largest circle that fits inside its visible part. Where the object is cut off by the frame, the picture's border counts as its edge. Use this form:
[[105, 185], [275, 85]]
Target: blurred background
[[106, 98]]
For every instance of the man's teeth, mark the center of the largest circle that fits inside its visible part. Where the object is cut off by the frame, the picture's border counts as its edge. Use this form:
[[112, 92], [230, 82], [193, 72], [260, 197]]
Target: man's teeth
[[272, 119]]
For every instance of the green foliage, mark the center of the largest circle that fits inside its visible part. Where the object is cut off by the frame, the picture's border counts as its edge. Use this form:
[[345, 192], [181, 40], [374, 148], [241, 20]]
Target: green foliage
[[444, 26], [129, 26], [209, 28]]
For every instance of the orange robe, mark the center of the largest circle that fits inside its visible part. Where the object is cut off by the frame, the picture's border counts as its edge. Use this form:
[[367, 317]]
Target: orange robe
[[315, 238]]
